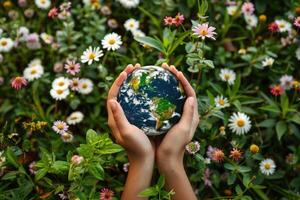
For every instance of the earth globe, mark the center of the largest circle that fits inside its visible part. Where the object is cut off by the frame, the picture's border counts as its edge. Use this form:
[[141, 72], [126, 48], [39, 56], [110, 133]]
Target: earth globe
[[152, 99]]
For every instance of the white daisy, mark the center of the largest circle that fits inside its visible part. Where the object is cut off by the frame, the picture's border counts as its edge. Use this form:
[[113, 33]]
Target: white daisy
[[251, 20], [283, 25], [33, 72], [286, 81], [232, 10], [59, 94], [85, 86], [138, 33], [131, 24], [60, 127], [6, 44], [35, 62], [267, 166], [221, 102], [228, 75], [75, 117], [43, 4], [91, 54], [111, 41], [23, 32], [239, 123], [267, 62], [129, 3], [60, 83], [67, 137]]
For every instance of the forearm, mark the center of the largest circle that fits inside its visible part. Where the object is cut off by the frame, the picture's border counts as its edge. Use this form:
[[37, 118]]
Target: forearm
[[138, 179], [177, 180]]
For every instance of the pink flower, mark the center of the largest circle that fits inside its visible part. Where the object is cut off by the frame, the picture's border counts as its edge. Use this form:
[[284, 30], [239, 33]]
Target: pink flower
[[248, 8], [72, 67], [207, 181], [218, 155], [106, 194], [273, 27], [168, 20], [204, 31], [178, 19], [276, 90], [74, 84], [126, 167], [53, 13], [18, 82], [297, 22], [76, 159], [32, 167], [60, 127]]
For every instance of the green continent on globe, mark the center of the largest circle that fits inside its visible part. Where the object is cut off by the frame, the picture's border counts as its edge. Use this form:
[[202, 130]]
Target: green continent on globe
[[162, 110]]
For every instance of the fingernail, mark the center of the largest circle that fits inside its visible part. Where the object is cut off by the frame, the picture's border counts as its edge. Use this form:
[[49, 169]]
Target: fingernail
[[191, 101]]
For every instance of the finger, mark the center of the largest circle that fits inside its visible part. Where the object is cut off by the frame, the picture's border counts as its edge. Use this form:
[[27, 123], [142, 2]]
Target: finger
[[173, 70], [119, 116], [186, 85], [188, 113], [114, 129], [113, 92], [137, 65], [165, 66], [129, 68]]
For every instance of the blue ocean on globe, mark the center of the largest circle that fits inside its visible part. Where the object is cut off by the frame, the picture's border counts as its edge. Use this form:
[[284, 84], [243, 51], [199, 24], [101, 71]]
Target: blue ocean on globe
[[152, 99]]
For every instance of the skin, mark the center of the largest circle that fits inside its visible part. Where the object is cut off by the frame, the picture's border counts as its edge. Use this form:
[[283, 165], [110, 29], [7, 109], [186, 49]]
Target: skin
[[143, 151]]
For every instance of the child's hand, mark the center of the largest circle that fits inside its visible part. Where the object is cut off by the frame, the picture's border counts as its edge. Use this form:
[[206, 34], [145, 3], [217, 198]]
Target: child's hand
[[171, 148], [135, 142]]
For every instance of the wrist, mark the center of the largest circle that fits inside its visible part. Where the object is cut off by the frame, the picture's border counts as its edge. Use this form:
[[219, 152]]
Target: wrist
[[166, 163]]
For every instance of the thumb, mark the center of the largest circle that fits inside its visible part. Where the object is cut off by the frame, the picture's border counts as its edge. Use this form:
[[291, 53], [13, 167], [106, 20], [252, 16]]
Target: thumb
[[118, 114], [188, 112]]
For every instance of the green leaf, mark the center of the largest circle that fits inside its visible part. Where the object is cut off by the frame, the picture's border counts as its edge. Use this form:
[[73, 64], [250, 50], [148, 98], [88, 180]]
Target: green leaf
[[11, 157], [281, 128], [111, 148], [91, 136], [161, 182], [244, 169], [151, 42], [178, 42], [231, 178], [154, 20], [151, 191], [209, 63], [10, 175], [296, 118], [60, 166], [41, 173], [272, 108], [268, 123], [229, 166], [203, 7], [96, 170]]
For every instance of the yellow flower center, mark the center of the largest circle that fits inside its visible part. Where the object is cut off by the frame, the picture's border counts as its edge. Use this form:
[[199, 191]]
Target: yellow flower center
[[92, 56], [33, 72], [59, 91], [84, 86], [3, 42], [240, 122], [42, 1], [281, 25], [203, 32], [61, 83], [60, 126], [111, 41], [227, 77], [267, 166], [221, 102]]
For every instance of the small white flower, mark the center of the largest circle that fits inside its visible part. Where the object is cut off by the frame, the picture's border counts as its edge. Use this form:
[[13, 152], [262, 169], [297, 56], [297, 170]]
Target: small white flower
[[207, 160], [221, 102], [111, 41], [267, 62], [67, 137], [60, 127], [59, 94], [75, 118], [239, 123], [48, 39], [138, 33], [85, 86], [33, 72], [91, 54], [129, 3], [60, 83], [6, 44], [23, 32], [286, 81], [35, 62], [131, 24], [43, 4], [228, 75], [267, 166], [192, 147], [251, 20], [283, 25], [232, 10]]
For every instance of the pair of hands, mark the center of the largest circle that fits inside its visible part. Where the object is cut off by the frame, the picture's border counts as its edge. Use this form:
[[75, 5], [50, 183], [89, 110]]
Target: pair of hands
[[139, 147]]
